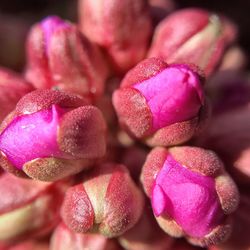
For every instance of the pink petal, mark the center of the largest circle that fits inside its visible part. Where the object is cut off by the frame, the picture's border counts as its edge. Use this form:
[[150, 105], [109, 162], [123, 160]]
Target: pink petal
[[173, 95], [195, 204], [32, 136], [158, 200]]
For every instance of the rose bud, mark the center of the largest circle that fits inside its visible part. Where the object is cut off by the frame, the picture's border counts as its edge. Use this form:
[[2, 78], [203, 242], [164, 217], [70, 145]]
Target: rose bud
[[193, 36], [146, 235], [12, 88], [161, 104], [228, 135], [106, 202], [59, 56], [191, 194], [239, 238], [28, 208], [51, 135], [122, 28], [64, 239]]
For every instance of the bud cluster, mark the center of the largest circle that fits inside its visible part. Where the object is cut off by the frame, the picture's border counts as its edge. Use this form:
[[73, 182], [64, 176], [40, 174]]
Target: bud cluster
[[126, 130]]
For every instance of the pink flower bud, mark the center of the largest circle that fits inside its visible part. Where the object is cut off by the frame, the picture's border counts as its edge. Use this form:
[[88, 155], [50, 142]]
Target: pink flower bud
[[64, 239], [28, 208], [193, 36], [146, 235], [12, 88], [190, 192], [60, 57], [122, 28], [107, 202], [51, 135], [169, 99]]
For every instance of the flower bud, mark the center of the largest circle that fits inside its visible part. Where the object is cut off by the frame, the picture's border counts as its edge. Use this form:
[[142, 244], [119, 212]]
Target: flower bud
[[28, 208], [122, 28], [51, 135], [12, 88], [146, 235], [193, 36], [64, 239], [59, 56], [159, 103], [191, 194], [107, 202]]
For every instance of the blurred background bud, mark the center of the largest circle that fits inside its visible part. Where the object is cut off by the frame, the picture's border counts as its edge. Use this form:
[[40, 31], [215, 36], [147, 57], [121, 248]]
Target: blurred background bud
[[76, 65], [64, 239], [122, 28], [193, 36], [28, 208], [12, 88]]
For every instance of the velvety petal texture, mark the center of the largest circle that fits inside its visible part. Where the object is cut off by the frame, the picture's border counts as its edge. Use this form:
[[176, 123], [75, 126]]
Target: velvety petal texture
[[188, 197], [32, 136], [170, 92], [191, 193], [161, 104], [106, 202], [51, 135]]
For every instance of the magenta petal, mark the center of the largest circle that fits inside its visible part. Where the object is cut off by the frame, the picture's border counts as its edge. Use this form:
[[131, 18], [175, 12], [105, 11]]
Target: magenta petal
[[173, 95], [194, 202], [32, 136], [158, 200]]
